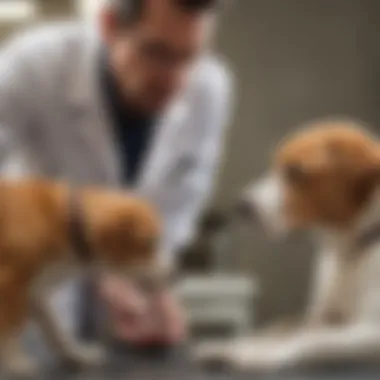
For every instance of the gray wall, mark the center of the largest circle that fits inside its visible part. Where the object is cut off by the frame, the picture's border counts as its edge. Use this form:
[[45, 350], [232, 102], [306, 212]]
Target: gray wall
[[294, 60]]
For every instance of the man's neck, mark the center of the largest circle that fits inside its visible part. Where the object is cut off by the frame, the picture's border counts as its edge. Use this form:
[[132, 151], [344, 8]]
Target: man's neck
[[121, 97]]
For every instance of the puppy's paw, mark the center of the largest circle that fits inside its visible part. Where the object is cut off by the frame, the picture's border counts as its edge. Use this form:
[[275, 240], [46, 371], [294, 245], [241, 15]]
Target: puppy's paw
[[20, 367], [85, 356]]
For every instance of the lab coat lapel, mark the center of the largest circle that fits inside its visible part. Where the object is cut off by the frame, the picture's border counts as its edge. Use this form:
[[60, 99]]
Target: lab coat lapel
[[158, 161], [92, 122]]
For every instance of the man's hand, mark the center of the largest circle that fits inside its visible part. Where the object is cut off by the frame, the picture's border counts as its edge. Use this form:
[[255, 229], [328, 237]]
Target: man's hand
[[139, 319]]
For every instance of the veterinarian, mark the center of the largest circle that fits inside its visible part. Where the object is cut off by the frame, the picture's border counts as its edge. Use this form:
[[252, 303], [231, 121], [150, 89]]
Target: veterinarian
[[136, 99]]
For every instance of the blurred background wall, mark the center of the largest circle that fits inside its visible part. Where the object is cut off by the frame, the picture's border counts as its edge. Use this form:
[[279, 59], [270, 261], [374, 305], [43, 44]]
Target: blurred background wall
[[294, 60]]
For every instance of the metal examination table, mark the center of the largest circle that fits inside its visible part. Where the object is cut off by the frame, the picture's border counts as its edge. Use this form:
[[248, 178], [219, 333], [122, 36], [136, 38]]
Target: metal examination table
[[177, 366]]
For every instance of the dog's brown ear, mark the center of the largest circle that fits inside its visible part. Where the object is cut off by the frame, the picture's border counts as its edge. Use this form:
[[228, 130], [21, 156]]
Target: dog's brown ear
[[135, 233], [366, 178], [131, 230], [118, 229]]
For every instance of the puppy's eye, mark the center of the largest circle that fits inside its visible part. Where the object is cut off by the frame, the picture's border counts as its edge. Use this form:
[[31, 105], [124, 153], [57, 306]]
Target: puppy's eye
[[294, 173]]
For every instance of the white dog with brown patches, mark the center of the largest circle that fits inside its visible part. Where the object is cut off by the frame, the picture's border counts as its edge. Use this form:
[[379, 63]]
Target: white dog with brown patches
[[326, 177]]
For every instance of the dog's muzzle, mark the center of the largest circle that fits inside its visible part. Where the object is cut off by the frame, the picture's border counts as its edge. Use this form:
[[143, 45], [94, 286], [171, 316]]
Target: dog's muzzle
[[263, 202]]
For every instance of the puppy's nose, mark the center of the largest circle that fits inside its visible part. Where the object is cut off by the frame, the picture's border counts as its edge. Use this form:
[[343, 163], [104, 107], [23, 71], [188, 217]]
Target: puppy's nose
[[245, 209]]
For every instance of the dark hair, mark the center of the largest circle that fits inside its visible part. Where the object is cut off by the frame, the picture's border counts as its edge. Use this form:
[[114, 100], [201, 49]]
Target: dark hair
[[130, 10]]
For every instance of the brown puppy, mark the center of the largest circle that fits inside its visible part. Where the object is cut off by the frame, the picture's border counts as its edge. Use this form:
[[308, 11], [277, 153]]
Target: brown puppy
[[322, 176], [119, 233], [325, 177]]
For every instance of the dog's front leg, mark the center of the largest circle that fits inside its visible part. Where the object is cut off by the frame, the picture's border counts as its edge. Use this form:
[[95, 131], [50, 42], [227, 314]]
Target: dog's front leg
[[14, 361], [325, 346], [355, 343], [71, 351], [256, 354]]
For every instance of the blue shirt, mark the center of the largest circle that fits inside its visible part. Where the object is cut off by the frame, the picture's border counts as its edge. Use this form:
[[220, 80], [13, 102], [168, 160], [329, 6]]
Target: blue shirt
[[133, 129]]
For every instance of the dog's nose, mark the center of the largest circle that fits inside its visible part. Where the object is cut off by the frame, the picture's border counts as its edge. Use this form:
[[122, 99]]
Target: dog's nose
[[245, 209]]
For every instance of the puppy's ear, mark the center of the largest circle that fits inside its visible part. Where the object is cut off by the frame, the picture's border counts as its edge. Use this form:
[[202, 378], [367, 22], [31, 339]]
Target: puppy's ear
[[366, 178], [133, 230]]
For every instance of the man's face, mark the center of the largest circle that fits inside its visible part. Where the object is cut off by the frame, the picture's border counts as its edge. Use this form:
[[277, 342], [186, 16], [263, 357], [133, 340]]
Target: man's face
[[153, 57]]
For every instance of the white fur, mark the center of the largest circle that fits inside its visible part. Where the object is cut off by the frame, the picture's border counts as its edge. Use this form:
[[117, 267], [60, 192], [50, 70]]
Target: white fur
[[267, 198], [346, 283]]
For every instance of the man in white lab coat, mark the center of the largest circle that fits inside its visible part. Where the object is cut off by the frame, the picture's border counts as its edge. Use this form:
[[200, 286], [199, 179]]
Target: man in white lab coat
[[136, 100]]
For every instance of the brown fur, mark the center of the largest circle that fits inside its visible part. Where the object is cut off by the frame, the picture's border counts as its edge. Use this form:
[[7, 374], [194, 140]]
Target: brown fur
[[34, 233], [330, 170]]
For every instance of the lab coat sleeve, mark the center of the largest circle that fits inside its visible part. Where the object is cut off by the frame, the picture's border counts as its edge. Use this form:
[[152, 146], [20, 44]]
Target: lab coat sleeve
[[16, 112], [20, 95], [211, 116]]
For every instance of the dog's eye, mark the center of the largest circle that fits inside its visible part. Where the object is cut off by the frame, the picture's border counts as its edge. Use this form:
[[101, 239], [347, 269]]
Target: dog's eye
[[294, 173]]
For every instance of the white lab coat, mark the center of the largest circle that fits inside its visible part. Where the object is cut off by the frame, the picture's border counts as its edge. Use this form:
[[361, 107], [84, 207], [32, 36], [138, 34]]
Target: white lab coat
[[53, 122]]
